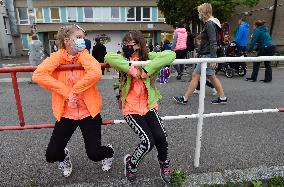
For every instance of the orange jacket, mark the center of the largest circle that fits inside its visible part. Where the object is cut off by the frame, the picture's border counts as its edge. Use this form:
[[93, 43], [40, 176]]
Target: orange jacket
[[57, 81], [136, 101]]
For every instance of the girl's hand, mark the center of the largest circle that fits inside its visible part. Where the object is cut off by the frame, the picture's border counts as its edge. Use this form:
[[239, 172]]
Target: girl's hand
[[138, 75], [72, 101], [213, 65]]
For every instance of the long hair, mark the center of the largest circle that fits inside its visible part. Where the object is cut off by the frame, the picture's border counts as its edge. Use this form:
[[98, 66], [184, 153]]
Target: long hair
[[138, 37], [205, 10]]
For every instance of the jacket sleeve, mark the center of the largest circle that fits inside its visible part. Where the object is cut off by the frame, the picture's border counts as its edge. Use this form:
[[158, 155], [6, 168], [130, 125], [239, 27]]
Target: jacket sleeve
[[158, 60], [93, 72], [117, 62], [174, 41], [212, 35], [254, 39], [43, 76]]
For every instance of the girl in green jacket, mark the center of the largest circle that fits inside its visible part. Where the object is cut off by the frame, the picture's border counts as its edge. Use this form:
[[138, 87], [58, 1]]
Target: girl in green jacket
[[139, 100]]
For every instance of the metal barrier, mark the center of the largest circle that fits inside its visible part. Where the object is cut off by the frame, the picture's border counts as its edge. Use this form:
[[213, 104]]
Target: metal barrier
[[200, 115]]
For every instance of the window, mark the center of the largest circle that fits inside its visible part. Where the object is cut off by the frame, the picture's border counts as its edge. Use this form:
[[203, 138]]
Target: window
[[130, 13], [101, 14], [161, 17], [146, 14], [71, 14], [23, 18], [54, 15], [89, 14], [10, 48], [6, 25], [138, 14], [25, 41], [115, 14], [39, 15]]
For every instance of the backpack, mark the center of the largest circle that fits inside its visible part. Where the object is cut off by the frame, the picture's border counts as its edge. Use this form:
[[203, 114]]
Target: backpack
[[190, 42]]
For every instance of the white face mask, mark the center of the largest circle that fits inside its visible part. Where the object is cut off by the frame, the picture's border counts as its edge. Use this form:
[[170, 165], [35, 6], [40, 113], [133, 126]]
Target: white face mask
[[200, 17], [79, 45]]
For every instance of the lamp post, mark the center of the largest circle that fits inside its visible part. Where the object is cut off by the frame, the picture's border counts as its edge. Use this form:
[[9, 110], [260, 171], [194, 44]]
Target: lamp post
[[273, 17]]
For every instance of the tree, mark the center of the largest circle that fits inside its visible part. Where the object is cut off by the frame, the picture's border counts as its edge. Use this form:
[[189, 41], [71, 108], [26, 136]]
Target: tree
[[186, 10]]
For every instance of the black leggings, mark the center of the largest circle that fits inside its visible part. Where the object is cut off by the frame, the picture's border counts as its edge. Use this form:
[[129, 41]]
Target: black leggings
[[151, 132], [91, 131]]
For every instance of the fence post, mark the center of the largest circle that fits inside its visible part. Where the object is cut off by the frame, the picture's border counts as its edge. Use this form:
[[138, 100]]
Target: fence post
[[18, 99], [200, 113]]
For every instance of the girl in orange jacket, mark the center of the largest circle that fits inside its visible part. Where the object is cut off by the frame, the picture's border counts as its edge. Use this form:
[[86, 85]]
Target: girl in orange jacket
[[76, 100]]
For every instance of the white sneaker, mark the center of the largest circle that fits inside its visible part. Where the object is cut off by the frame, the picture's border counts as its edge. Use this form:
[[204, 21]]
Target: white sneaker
[[196, 92], [214, 91], [66, 165], [107, 162]]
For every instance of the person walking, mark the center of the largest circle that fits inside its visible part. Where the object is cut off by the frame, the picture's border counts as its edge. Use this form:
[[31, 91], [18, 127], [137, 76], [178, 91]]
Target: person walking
[[179, 46], [167, 45], [36, 53], [242, 35], [139, 101], [265, 47], [88, 44], [208, 49], [99, 52], [76, 101]]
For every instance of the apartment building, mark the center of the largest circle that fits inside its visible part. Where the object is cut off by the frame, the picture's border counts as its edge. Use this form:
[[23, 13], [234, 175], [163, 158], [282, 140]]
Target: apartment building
[[108, 19], [7, 47]]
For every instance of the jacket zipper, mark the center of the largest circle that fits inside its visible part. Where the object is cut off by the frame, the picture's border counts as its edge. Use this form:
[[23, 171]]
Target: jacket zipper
[[73, 85], [140, 94]]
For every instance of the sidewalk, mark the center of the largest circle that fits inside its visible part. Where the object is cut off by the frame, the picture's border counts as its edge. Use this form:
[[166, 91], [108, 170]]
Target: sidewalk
[[15, 61], [198, 179]]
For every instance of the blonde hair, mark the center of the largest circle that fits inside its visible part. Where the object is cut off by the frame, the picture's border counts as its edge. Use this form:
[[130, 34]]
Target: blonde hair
[[65, 32], [205, 10]]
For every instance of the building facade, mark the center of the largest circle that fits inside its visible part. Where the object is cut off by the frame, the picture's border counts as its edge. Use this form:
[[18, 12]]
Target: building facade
[[7, 47], [108, 19]]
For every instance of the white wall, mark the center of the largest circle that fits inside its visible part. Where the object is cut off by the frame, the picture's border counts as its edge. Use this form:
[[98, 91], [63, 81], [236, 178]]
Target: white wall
[[115, 39]]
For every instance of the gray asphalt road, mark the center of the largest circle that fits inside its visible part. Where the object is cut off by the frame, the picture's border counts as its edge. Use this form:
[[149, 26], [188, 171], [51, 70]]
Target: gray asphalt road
[[228, 142]]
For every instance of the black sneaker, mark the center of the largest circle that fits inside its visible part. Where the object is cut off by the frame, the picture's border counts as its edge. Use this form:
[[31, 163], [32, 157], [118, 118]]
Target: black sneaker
[[219, 101], [180, 99], [165, 171], [131, 174]]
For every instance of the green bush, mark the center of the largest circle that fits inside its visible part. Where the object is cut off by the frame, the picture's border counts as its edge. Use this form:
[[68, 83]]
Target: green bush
[[178, 177]]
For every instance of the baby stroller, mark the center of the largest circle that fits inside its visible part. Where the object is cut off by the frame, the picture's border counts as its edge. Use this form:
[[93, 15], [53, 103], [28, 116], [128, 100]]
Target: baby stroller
[[230, 69]]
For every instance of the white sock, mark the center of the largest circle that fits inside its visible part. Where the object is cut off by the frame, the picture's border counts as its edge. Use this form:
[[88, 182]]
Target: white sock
[[223, 98], [184, 98]]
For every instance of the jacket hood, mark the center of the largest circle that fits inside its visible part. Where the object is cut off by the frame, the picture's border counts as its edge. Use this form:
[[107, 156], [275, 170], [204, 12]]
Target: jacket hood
[[216, 21], [182, 30], [262, 28]]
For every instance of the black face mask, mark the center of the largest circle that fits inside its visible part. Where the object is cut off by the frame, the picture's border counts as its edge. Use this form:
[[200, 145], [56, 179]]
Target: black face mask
[[127, 51]]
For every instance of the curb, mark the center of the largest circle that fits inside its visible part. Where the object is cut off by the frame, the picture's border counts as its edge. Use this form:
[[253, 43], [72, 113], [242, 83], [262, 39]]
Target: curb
[[197, 180], [235, 176]]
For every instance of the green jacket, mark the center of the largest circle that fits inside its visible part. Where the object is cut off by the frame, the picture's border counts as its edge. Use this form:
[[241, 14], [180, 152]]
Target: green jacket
[[158, 60]]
